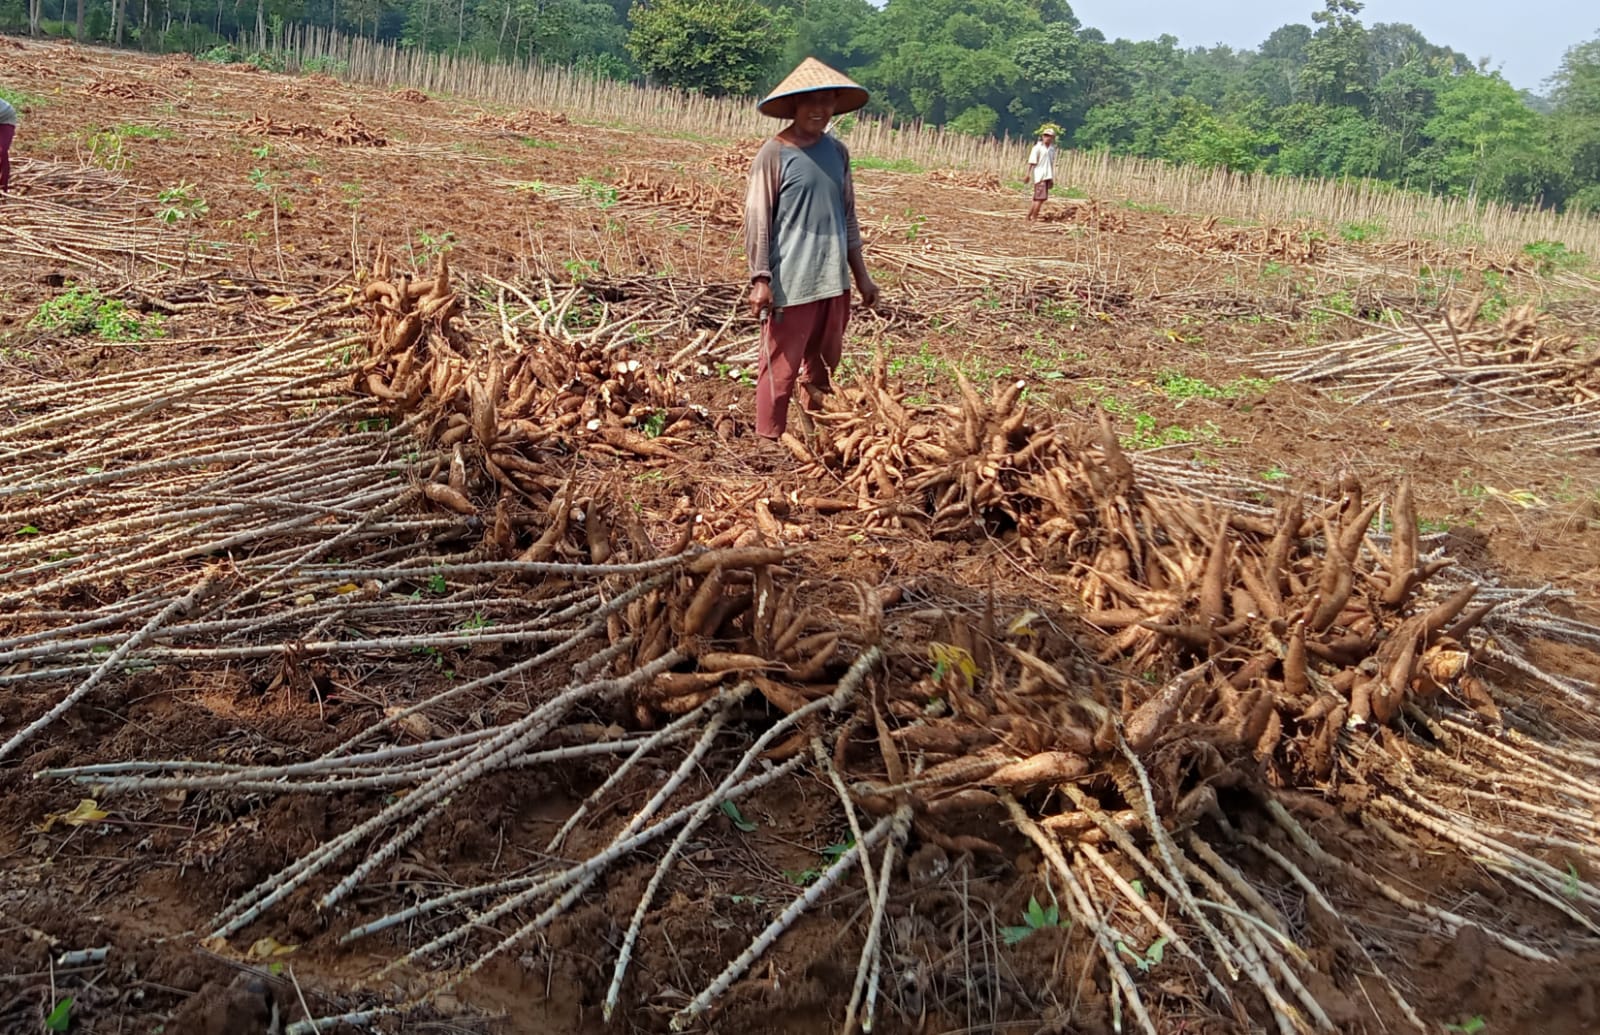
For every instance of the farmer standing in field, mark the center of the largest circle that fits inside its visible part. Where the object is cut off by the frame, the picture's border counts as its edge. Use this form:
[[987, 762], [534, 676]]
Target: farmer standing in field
[[8, 130], [803, 242], [1042, 168]]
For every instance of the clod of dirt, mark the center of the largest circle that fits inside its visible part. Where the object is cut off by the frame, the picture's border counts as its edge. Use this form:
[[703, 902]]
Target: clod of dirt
[[245, 1006]]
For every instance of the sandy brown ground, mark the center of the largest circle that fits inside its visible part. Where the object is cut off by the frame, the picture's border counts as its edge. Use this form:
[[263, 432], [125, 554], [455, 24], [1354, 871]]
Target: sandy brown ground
[[1142, 295]]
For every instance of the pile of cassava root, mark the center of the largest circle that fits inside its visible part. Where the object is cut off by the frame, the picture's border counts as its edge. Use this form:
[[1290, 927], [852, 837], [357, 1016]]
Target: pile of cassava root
[[1267, 636], [1186, 651]]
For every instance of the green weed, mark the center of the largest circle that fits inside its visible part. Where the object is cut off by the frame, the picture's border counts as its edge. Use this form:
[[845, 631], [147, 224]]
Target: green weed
[[900, 165], [324, 66], [1061, 311], [1360, 232], [60, 1018], [1146, 207], [1036, 919], [1147, 959], [731, 810], [602, 194], [180, 203], [1550, 256], [21, 99], [84, 311], [107, 151], [1177, 385], [831, 854], [428, 247]]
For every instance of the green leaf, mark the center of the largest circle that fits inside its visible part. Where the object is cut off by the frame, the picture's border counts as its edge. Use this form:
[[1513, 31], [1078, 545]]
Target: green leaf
[[1013, 935], [731, 810], [28, 530], [1470, 1026], [60, 1018], [436, 584], [1036, 914], [1157, 950], [1573, 885], [833, 852]]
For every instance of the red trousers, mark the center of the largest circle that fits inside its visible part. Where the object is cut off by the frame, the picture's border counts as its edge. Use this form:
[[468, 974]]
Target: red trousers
[[7, 131], [799, 344]]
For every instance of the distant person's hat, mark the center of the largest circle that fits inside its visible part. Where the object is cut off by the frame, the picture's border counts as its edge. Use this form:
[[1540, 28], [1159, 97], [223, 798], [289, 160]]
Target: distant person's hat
[[1049, 130], [810, 77]]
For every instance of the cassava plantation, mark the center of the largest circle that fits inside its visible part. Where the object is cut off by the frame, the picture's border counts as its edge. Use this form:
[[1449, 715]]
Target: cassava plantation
[[1184, 617]]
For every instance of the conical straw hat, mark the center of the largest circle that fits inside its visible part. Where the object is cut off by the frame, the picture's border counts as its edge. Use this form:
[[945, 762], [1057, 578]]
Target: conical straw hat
[[813, 75]]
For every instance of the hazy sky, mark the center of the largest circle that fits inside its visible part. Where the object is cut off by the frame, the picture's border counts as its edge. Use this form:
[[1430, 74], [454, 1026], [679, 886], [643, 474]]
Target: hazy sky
[[1525, 39]]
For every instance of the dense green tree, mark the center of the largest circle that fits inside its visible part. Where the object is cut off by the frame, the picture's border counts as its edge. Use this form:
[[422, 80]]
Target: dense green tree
[[832, 31], [940, 58], [1483, 141], [1338, 61], [713, 46], [1575, 123]]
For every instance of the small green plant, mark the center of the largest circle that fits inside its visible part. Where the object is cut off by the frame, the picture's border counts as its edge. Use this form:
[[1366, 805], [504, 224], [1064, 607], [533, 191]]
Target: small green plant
[[1274, 474], [476, 622], [736, 817], [601, 193], [737, 373], [20, 99], [899, 165], [428, 247], [1036, 919], [180, 203], [1361, 231], [655, 424], [831, 853], [1495, 304], [1151, 209], [1177, 385], [581, 270], [1471, 1026], [1435, 285], [1061, 311], [917, 222], [437, 585], [1550, 256], [83, 310], [60, 1018], [106, 150], [324, 66], [1149, 958]]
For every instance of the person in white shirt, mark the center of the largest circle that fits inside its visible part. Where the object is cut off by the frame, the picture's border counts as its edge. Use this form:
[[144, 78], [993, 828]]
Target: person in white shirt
[[1042, 169]]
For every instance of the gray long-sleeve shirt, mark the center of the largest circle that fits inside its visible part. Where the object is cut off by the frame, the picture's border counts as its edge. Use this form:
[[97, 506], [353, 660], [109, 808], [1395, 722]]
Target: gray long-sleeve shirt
[[8, 114], [800, 220]]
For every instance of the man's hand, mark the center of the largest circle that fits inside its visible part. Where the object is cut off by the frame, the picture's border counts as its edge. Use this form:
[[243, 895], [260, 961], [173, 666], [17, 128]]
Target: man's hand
[[760, 296], [869, 291]]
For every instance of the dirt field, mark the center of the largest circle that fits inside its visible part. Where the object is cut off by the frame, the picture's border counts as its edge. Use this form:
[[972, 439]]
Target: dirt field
[[243, 528]]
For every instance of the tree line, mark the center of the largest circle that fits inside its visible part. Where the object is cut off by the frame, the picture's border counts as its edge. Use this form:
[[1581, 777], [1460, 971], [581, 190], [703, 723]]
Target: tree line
[[1331, 97]]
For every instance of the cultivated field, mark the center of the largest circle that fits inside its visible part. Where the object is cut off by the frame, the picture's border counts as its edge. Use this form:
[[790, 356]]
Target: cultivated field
[[1182, 619]]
